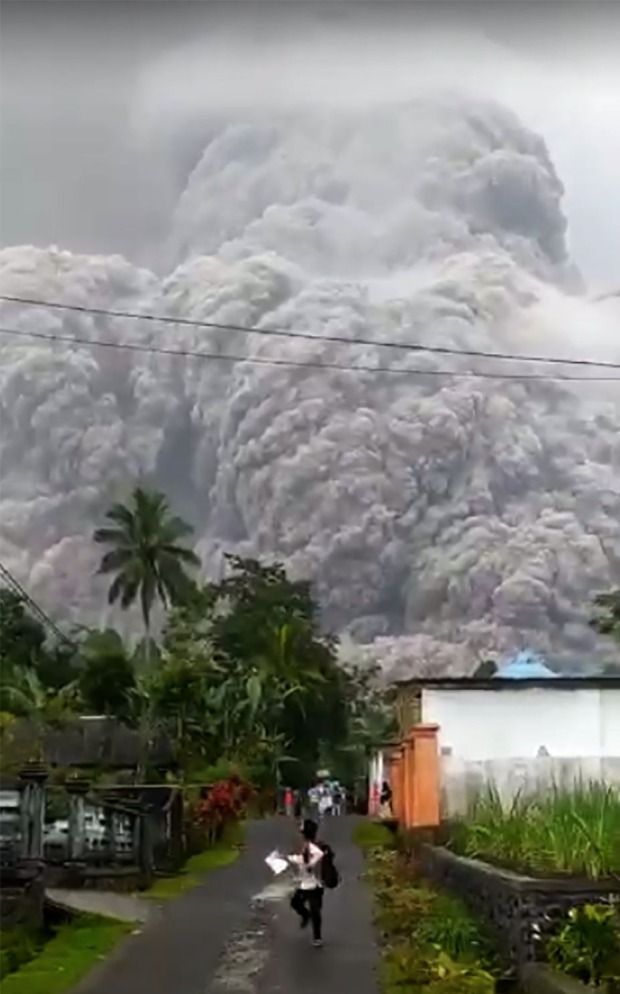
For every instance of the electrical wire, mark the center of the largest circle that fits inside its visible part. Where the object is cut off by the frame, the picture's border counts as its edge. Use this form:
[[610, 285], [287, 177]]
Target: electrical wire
[[284, 333], [46, 621], [259, 360]]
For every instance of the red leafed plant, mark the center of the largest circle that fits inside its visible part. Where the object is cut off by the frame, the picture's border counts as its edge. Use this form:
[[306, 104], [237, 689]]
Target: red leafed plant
[[225, 802]]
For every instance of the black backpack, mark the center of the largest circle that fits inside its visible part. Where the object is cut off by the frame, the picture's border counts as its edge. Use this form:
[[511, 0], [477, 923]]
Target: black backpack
[[329, 874]]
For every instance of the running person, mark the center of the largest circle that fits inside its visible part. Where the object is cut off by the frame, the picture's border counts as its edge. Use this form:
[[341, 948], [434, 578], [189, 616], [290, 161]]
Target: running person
[[307, 901]]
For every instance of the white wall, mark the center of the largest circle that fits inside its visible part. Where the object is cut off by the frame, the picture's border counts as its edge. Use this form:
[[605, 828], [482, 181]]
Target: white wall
[[494, 736], [480, 724], [463, 780], [610, 723]]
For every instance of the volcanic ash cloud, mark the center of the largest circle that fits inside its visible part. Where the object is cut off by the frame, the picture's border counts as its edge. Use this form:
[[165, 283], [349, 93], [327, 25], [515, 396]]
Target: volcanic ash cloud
[[441, 517]]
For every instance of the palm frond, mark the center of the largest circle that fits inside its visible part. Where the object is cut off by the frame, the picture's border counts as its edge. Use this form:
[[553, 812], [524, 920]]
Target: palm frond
[[115, 559], [129, 590], [182, 554], [175, 528], [112, 536], [121, 515], [116, 588]]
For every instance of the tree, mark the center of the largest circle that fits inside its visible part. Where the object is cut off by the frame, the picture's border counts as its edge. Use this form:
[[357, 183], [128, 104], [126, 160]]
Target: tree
[[287, 677], [24, 645], [22, 637], [146, 554], [255, 600], [107, 679], [607, 620]]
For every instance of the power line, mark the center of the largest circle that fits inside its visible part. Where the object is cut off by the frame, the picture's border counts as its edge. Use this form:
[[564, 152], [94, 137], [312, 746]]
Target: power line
[[283, 333], [16, 587], [38, 611], [258, 360]]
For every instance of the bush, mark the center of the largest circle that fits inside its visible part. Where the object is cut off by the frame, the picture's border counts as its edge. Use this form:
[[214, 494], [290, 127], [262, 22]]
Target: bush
[[411, 970], [431, 942], [587, 945], [226, 801]]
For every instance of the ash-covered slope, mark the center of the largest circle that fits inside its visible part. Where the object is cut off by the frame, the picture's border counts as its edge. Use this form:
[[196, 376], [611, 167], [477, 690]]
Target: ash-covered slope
[[468, 514]]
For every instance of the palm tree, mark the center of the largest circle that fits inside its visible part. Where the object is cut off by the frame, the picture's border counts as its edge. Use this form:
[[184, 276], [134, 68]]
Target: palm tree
[[145, 554]]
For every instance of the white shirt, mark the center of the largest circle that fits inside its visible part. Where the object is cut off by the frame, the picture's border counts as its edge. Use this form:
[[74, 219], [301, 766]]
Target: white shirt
[[308, 877]]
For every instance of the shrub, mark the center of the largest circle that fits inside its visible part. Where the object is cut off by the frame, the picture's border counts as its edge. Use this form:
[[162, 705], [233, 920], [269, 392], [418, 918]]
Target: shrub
[[587, 946], [226, 801], [431, 942], [409, 969]]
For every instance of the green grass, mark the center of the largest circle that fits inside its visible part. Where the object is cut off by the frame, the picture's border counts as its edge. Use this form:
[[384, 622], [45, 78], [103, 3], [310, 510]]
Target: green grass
[[65, 959], [429, 941], [369, 835], [214, 858], [562, 831]]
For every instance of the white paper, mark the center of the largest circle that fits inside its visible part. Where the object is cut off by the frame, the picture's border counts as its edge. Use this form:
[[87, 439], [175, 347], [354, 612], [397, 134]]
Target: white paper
[[276, 862]]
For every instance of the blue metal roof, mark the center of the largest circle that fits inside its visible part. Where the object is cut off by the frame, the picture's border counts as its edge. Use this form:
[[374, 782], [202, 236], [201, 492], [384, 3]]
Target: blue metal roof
[[526, 665]]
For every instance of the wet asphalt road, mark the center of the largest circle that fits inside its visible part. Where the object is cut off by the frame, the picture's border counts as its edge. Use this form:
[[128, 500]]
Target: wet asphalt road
[[235, 934]]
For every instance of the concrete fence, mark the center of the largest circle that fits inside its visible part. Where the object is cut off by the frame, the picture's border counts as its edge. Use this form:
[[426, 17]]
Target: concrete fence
[[463, 780]]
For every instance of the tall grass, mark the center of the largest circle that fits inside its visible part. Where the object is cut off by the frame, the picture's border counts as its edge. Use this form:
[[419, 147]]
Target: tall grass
[[562, 830]]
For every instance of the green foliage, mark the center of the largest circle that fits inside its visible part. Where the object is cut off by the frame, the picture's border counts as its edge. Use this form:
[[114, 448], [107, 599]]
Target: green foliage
[[587, 946], [24, 696], [107, 679], [216, 856], [261, 599], [247, 674], [430, 942], [68, 957], [449, 926], [370, 720], [19, 945], [561, 831], [607, 620], [145, 553], [24, 646], [22, 637], [293, 687], [409, 970], [372, 835]]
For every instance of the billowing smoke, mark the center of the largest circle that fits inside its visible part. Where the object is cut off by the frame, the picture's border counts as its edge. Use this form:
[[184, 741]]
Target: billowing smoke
[[443, 516]]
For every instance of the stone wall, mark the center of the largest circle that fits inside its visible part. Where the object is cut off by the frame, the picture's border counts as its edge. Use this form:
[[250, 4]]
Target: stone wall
[[522, 911], [22, 897]]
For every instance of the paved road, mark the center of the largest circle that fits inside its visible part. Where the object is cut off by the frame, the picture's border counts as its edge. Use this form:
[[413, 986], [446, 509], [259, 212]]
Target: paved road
[[235, 934]]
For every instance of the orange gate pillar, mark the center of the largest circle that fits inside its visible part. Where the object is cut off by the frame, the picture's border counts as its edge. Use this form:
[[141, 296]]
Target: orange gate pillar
[[397, 785], [410, 766], [425, 798]]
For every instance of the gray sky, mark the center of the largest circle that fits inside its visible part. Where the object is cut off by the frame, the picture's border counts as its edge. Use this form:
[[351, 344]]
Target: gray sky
[[97, 99]]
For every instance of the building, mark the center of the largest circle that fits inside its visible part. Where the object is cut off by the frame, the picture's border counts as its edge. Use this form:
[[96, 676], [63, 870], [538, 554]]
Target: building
[[522, 729]]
